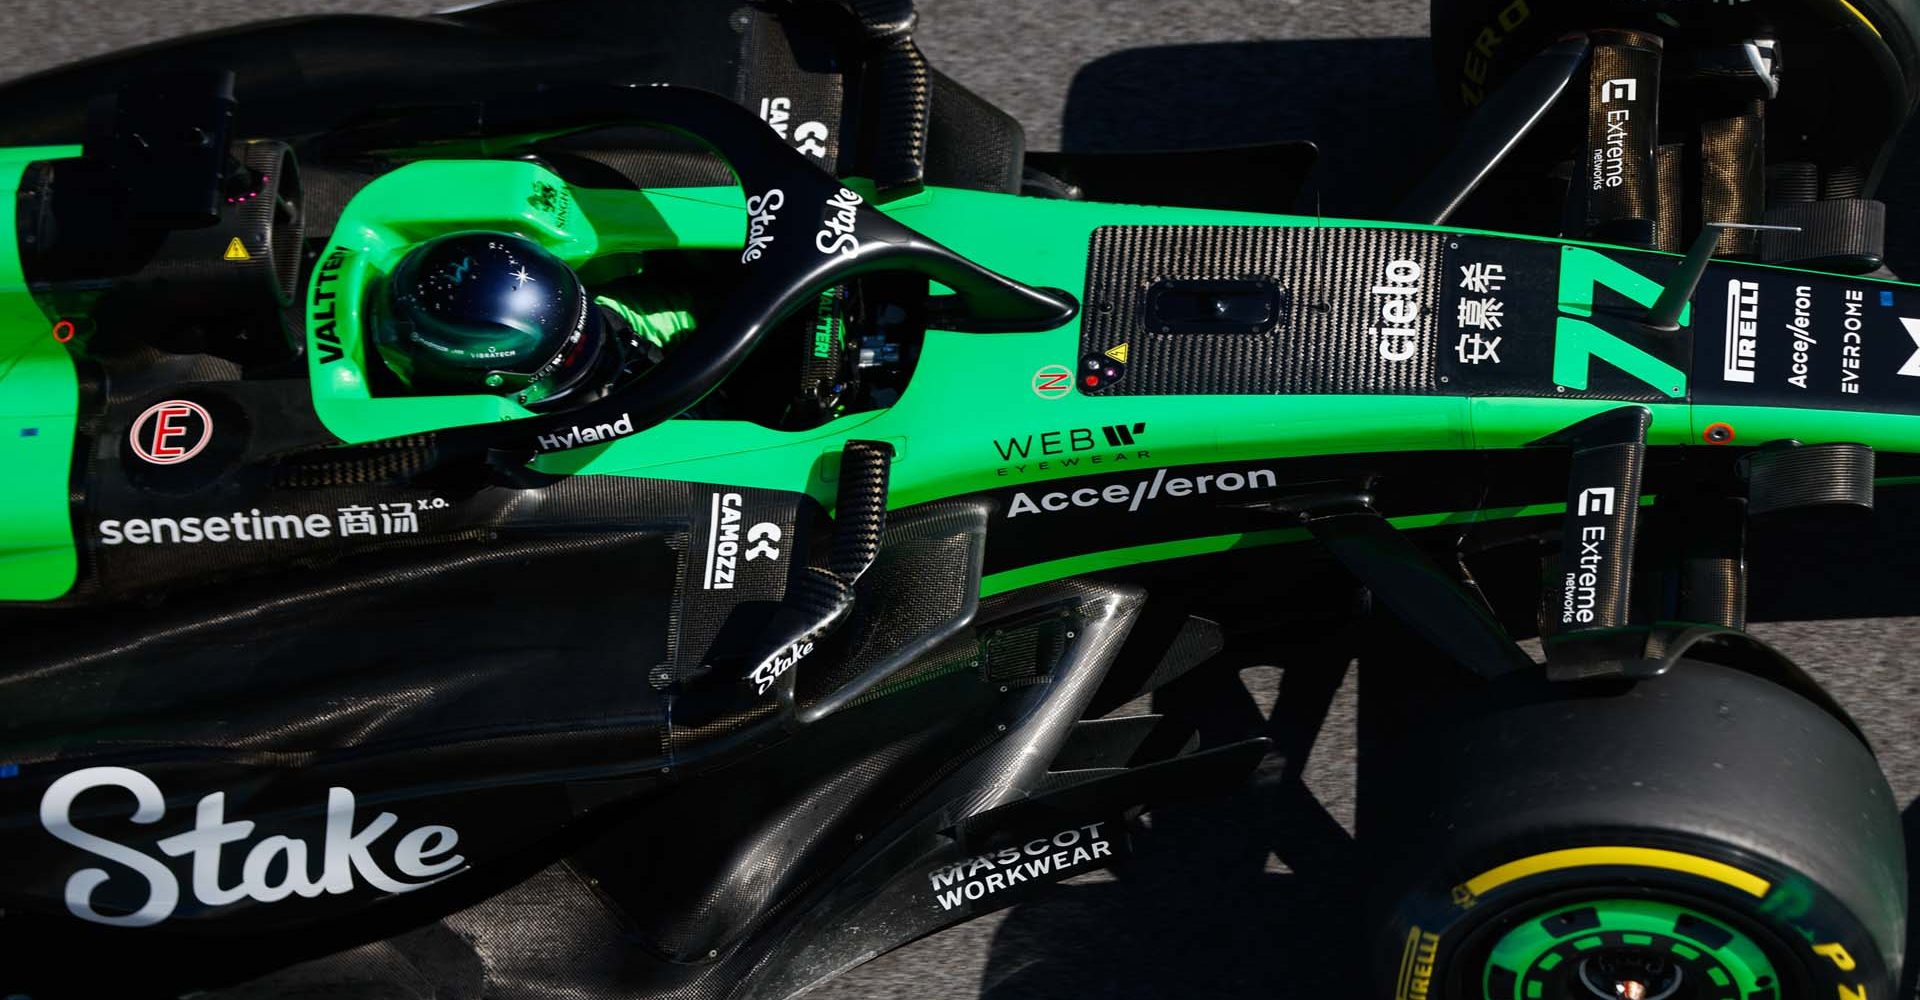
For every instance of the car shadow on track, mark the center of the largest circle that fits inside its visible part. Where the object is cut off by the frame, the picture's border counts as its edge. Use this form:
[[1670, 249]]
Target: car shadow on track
[[1368, 103], [1256, 895]]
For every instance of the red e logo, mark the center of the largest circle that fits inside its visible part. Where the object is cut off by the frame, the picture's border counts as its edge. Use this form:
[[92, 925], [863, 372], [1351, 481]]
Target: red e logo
[[171, 432]]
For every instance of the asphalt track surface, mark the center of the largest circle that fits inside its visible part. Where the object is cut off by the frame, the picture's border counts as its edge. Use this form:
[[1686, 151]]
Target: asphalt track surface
[[1254, 897]]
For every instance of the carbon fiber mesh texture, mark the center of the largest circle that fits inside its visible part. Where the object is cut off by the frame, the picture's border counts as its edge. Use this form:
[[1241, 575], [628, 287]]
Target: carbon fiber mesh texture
[[568, 931], [1669, 163], [927, 568], [581, 503], [1847, 227], [1716, 591], [1327, 339], [383, 650], [1023, 654], [1795, 181], [900, 110], [389, 460], [1621, 191], [1811, 476], [862, 513], [704, 897], [431, 963], [548, 937], [1100, 618], [279, 176], [326, 189], [1733, 179], [971, 143]]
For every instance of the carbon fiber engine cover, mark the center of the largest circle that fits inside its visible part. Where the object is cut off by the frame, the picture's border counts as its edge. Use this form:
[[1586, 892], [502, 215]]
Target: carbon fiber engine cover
[[1352, 310]]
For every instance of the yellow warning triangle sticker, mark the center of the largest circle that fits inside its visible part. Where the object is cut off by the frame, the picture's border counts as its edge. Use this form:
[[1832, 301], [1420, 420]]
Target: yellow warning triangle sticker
[[236, 251], [1118, 353]]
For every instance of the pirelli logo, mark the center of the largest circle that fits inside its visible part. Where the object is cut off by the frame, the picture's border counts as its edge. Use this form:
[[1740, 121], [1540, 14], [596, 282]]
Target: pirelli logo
[[1416, 965], [1742, 333]]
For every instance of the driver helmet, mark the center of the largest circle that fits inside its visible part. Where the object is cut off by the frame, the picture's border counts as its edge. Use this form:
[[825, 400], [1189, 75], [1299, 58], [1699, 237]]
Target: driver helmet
[[490, 312]]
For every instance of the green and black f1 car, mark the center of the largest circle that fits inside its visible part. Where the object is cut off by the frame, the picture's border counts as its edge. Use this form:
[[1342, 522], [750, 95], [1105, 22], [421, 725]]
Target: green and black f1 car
[[684, 526]]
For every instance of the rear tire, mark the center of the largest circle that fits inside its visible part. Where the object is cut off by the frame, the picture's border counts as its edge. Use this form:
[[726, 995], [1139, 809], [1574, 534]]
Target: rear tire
[[1716, 832]]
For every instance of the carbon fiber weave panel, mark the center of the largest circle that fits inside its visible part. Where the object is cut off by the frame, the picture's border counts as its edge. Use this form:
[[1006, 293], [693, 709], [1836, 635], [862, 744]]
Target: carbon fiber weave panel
[[1330, 335]]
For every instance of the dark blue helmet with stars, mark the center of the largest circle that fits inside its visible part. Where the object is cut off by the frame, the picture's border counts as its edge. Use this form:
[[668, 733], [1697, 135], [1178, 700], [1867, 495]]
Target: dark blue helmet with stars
[[489, 312]]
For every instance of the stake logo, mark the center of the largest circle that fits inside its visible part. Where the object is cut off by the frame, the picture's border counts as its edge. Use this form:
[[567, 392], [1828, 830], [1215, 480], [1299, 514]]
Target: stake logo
[[836, 230], [276, 867], [782, 660], [171, 432], [760, 219]]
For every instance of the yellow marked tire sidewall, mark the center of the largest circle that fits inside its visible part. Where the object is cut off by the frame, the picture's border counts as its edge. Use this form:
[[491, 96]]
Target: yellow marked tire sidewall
[[1444, 923]]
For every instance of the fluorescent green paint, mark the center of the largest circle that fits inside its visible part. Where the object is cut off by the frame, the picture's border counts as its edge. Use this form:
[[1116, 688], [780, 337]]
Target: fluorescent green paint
[[1530, 949], [429, 198], [1577, 342], [1582, 270], [968, 392], [39, 408]]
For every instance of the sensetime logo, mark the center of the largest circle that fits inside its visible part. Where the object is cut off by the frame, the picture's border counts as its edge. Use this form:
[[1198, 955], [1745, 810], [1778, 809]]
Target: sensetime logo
[[275, 867]]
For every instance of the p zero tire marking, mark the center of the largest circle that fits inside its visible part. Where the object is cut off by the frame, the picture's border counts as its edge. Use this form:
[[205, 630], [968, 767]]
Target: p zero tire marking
[[1591, 857]]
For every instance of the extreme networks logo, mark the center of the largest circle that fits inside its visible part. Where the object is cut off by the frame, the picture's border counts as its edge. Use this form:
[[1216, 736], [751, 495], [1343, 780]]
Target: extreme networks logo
[[1121, 495], [1583, 582]]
